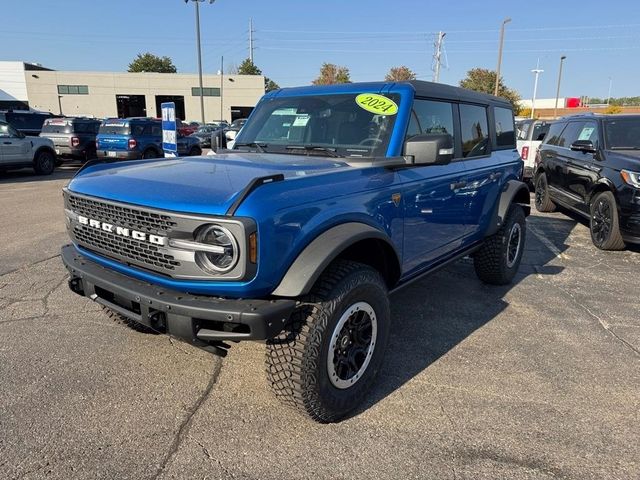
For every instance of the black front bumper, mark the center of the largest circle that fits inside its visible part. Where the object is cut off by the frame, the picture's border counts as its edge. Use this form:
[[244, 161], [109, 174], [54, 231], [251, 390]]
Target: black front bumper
[[199, 320]]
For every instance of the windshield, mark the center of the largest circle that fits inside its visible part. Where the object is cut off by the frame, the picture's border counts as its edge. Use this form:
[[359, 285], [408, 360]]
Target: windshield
[[623, 133], [333, 123]]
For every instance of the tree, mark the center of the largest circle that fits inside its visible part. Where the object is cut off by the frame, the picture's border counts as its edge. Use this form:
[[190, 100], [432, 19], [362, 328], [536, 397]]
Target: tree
[[483, 80], [330, 74], [247, 67], [148, 62], [400, 74]]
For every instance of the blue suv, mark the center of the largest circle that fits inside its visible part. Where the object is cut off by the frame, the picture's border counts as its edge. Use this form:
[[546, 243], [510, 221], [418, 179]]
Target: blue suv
[[332, 197], [133, 138]]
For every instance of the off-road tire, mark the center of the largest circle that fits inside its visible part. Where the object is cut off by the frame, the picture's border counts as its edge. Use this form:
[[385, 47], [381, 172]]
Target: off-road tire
[[149, 153], [297, 360], [494, 262], [44, 162], [116, 317], [542, 199], [604, 203]]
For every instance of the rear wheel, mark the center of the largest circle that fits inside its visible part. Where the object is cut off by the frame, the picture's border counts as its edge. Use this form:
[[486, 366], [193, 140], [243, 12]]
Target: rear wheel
[[498, 260], [542, 200], [326, 360], [604, 226], [149, 153], [44, 162]]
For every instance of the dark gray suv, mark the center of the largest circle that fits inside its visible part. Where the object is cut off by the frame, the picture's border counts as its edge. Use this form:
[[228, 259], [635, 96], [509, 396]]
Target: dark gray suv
[[74, 138]]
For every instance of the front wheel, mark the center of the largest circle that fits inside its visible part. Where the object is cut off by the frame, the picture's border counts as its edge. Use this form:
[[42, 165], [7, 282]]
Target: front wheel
[[605, 226], [44, 163], [327, 359], [498, 260]]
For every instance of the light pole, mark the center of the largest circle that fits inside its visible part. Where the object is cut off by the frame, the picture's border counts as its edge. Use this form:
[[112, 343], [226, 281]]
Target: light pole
[[555, 109], [504, 22], [537, 71], [197, 2], [609, 94]]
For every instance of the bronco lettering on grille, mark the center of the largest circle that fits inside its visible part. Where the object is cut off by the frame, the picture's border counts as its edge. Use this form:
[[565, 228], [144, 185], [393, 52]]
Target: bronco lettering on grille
[[124, 232]]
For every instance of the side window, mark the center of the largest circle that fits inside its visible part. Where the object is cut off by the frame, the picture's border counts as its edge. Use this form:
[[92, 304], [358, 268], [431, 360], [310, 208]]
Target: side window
[[553, 136], [589, 131], [523, 130], [414, 127], [156, 130], [505, 135], [474, 129], [434, 117], [137, 130], [570, 134], [4, 131]]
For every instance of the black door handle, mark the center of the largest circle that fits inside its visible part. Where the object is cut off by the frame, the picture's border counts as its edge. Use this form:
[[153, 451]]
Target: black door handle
[[457, 185], [7, 143]]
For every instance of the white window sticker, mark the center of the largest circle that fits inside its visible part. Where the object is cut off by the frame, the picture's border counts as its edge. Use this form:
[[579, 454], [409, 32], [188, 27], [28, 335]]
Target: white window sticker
[[586, 132], [301, 121]]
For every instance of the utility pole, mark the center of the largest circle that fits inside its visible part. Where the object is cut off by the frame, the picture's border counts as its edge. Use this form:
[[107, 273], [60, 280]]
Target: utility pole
[[537, 71], [197, 2], [505, 21], [221, 85], [609, 94], [251, 40], [437, 56], [555, 109]]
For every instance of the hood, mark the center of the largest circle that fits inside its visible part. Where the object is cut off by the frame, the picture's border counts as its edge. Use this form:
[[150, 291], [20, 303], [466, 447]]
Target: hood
[[202, 185]]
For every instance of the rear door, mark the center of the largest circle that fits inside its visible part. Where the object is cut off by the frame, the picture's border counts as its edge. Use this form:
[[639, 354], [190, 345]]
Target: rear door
[[434, 213], [484, 167], [559, 185]]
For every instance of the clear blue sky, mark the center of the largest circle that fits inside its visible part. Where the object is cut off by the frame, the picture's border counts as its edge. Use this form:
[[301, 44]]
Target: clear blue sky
[[293, 38]]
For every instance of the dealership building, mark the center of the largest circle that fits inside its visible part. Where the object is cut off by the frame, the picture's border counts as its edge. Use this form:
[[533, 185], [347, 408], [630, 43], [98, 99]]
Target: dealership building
[[118, 94]]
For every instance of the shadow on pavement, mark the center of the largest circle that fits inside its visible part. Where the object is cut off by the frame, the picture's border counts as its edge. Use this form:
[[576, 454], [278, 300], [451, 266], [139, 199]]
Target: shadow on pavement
[[28, 175], [442, 310]]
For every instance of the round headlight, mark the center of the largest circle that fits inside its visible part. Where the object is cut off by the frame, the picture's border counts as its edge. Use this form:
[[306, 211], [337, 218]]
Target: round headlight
[[227, 256]]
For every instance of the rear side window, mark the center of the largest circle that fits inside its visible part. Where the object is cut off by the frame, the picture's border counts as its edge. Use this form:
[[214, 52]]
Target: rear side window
[[540, 130], [505, 133], [138, 130], [474, 130], [553, 135]]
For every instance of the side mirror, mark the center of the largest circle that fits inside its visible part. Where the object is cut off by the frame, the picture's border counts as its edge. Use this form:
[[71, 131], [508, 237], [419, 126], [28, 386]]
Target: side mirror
[[583, 146], [430, 148]]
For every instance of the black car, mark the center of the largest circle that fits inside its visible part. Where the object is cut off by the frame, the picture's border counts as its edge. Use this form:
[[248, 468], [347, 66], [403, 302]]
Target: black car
[[206, 132], [73, 138], [591, 164], [26, 122]]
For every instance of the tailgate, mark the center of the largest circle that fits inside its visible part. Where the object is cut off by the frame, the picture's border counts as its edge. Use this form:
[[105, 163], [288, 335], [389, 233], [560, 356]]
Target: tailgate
[[112, 142]]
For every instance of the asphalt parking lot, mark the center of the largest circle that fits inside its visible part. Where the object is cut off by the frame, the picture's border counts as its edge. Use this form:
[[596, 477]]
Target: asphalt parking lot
[[536, 380]]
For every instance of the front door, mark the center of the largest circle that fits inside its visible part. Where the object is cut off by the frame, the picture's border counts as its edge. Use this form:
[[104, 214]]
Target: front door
[[583, 169], [15, 148]]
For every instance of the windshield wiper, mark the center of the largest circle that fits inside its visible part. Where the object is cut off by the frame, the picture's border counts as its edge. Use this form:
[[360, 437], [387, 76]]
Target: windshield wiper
[[314, 148], [261, 147]]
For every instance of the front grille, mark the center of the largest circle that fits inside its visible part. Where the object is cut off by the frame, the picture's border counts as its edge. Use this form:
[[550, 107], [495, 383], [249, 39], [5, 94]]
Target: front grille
[[125, 248], [128, 217], [140, 252]]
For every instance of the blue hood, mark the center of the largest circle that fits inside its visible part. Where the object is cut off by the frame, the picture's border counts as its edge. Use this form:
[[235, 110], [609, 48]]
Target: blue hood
[[205, 185]]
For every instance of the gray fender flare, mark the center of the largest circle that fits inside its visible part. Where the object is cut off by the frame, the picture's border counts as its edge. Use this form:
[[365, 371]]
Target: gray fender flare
[[314, 259], [514, 191]]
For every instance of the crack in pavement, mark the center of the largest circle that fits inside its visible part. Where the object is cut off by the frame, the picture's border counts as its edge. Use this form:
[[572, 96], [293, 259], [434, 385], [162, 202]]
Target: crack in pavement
[[186, 424], [227, 472], [29, 265], [456, 435]]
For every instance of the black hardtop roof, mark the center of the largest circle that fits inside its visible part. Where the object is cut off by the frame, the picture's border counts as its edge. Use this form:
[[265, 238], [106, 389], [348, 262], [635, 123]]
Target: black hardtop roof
[[440, 90]]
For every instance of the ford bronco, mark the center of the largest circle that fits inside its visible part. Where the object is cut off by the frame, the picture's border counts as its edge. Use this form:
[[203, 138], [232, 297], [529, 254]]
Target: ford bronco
[[332, 197]]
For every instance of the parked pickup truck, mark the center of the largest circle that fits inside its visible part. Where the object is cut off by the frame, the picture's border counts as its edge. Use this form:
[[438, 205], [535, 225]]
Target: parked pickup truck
[[332, 197]]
